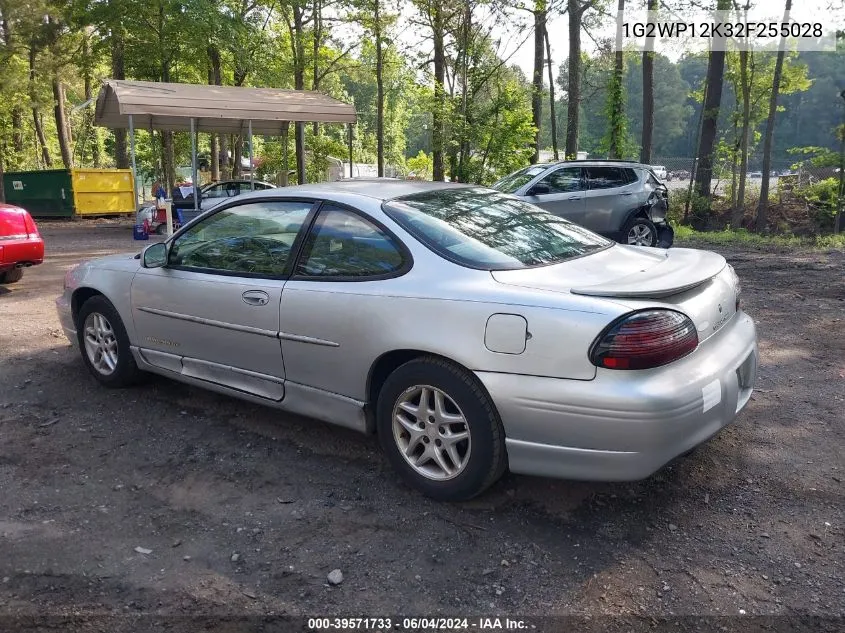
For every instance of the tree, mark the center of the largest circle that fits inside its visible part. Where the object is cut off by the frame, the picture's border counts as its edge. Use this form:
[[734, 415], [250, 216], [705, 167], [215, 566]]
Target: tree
[[648, 91], [617, 127], [761, 221], [552, 109], [712, 103], [577, 9], [537, 77]]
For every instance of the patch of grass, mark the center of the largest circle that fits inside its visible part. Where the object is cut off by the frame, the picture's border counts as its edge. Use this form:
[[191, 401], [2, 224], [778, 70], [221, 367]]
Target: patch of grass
[[741, 236]]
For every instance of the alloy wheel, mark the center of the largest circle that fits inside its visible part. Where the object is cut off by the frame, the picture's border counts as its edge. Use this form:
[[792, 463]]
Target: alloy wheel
[[100, 343], [640, 235], [431, 432]]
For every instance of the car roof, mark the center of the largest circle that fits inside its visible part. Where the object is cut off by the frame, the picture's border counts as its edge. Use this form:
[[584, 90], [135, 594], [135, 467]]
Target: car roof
[[245, 181], [377, 188], [598, 162]]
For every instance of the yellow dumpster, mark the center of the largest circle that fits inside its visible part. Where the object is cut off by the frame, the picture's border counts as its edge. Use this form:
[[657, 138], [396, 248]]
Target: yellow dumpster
[[103, 191]]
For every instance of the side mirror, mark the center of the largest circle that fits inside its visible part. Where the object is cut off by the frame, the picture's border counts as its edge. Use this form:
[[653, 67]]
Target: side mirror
[[155, 255], [539, 190]]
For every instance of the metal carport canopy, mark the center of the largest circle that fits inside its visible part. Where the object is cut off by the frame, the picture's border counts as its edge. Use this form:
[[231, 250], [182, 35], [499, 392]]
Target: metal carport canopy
[[223, 109]]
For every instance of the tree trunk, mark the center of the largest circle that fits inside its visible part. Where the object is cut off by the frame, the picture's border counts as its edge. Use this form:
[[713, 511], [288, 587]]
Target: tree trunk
[[225, 168], [2, 171], [61, 123], [438, 116], [574, 84], [616, 98], [90, 130], [215, 78], [379, 90], [762, 220], [537, 78], [283, 175], [648, 93], [299, 84], [17, 131], [168, 159], [36, 118], [552, 106], [317, 40], [745, 89], [709, 126], [237, 155], [462, 171], [17, 110], [118, 71]]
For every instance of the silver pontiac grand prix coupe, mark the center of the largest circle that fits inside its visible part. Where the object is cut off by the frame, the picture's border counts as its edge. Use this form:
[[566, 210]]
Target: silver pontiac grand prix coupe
[[471, 331]]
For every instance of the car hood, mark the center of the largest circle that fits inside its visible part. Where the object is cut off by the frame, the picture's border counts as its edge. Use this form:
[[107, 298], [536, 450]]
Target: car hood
[[622, 272], [123, 261]]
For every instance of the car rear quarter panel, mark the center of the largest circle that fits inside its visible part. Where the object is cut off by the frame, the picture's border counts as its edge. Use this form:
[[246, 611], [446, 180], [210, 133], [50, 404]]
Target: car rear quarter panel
[[360, 322]]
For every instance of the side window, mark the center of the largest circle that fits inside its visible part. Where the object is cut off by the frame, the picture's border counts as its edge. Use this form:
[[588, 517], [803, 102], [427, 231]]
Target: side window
[[343, 244], [606, 177], [254, 239], [563, 180], [214, 192]]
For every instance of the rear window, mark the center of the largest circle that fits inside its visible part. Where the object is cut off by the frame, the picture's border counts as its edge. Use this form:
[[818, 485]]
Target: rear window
[[486, 229], [518, 179], [609, 177]]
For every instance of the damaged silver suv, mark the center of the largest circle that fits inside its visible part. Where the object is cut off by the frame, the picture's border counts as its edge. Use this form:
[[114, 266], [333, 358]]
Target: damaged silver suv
[[621, 200]]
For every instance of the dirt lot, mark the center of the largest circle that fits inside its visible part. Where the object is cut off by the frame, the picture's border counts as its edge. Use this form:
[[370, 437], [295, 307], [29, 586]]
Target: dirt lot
[[246, 510]]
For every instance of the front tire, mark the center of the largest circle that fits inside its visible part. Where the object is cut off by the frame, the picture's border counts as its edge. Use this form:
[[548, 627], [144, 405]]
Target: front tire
[[440, 430], [640, 231], [104, 344], [11, 276]]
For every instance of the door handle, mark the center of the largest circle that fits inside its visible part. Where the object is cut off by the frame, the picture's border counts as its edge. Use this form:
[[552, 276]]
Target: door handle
[[576, 198], [255, 297], [627, 193]]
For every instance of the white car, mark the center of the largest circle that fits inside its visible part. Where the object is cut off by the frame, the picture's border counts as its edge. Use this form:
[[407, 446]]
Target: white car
[[659, 171]]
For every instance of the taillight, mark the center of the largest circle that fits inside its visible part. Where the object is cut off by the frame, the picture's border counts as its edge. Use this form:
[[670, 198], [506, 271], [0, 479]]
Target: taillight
[[646, 339], [31, 228]]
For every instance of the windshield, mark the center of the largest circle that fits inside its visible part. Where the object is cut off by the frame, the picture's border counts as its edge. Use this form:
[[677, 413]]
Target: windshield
[[482, 228], [511, 183]]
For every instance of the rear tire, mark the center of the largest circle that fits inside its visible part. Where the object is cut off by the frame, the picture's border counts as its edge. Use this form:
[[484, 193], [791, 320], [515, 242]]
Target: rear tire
[[11, 276], [640, 231], [104, 344], [440, 429]]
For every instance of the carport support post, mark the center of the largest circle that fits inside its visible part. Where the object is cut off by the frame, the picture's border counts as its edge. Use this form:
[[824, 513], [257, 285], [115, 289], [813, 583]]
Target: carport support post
[[350, 150], [251, 165], [132, 154], [194, 166]]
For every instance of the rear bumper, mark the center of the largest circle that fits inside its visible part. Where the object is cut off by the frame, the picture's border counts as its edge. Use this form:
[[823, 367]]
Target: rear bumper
[[624, 426], [21, 252]]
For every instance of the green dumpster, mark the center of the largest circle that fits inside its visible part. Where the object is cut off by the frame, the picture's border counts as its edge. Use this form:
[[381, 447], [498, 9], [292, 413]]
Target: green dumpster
[[64, 193]]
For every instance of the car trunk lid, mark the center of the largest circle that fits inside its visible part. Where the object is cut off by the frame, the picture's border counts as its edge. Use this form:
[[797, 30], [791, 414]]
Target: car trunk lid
[[697, 283]]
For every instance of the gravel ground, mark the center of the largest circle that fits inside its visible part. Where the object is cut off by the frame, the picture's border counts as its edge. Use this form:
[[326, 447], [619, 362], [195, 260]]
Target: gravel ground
[[165, 499]]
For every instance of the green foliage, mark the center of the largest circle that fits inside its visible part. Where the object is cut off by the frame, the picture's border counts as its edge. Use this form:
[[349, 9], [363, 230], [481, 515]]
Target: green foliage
[[823, 197], [686, 235], [421, 166], [818, 156]]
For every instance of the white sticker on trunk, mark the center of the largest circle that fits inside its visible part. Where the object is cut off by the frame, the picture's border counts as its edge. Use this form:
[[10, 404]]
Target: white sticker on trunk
[[712, 395]]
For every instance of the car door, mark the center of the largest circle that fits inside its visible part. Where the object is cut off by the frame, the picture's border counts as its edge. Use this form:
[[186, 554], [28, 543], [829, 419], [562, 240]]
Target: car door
[[560, 192], [610, 194], [338, 295], [212, 312]]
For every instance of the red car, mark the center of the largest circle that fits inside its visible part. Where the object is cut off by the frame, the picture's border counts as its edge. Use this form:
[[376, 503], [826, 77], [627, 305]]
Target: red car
[[21, 245]]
